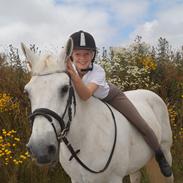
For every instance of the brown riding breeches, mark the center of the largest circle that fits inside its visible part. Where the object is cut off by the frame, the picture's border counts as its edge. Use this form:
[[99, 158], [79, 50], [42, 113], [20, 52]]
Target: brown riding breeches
[[119, 101]]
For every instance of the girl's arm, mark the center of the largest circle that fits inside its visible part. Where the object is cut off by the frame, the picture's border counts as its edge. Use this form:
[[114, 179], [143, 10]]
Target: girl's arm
[[84, 91]]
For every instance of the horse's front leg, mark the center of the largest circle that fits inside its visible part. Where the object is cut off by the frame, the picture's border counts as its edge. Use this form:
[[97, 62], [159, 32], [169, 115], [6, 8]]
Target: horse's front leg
[[73, 181], [114, 179]]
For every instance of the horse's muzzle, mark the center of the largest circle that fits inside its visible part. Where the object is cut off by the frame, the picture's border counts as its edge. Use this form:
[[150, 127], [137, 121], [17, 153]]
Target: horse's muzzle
[[43, 155]]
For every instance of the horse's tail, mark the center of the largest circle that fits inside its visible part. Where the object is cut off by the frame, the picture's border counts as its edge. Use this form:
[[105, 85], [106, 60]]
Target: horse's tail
[[154, 174]]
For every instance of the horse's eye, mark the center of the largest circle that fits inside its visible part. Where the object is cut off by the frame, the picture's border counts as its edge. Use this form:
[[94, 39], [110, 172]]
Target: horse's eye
[[64, 89]]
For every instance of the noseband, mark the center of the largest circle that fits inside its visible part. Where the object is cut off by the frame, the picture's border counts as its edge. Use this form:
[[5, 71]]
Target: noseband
[[49, 114]]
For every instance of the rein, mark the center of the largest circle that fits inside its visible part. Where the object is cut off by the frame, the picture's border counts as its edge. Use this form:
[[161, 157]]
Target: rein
[[74, 153], [65, 127]]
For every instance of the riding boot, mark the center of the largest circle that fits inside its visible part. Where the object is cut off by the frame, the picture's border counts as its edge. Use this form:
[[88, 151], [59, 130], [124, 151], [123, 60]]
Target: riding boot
[[163, 164]]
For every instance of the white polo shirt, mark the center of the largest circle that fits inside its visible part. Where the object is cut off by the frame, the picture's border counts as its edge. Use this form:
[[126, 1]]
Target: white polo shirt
[[97, 76]]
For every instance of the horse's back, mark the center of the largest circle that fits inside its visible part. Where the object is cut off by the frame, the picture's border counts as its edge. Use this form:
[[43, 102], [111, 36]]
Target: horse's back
[[150, 104], [154, 110]]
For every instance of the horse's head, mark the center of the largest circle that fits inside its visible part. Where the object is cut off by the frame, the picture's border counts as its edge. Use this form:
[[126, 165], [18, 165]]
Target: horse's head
[[48, 90]]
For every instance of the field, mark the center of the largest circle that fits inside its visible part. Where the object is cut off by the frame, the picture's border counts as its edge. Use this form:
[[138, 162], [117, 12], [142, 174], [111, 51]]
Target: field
[[129, 69]]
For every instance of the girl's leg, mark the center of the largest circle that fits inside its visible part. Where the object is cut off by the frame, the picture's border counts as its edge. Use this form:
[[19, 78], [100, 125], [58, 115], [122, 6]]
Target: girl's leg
[[120, 102], [124, 106]]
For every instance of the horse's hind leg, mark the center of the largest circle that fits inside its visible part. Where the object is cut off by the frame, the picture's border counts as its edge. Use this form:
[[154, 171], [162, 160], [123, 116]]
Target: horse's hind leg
[[135, 177]]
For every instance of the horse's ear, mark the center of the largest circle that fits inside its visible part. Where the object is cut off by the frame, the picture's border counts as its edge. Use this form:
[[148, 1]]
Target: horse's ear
[[69, 47], [66, 52], [30, 56]]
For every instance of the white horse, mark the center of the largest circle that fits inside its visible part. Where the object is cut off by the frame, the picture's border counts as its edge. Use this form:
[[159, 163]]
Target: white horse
[[92, 128]]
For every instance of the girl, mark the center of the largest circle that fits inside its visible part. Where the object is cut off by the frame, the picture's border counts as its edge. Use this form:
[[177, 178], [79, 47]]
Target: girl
[[89, 80]]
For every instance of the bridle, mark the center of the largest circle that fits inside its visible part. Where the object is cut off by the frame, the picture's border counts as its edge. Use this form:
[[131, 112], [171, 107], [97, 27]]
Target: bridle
[[49, 114], [65, 126]]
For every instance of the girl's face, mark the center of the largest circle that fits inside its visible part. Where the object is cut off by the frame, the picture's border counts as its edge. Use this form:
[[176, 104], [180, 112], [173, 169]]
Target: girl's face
[[82, 58]]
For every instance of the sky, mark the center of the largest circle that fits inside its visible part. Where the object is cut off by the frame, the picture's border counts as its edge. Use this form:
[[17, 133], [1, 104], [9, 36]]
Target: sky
[[48, 23]]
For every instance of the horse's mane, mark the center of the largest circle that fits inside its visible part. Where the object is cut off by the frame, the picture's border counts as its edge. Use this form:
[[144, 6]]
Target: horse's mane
[[48, 63]]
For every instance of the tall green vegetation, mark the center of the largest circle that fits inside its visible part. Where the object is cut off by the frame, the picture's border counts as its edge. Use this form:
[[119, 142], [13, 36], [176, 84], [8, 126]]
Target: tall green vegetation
[[138, 66]]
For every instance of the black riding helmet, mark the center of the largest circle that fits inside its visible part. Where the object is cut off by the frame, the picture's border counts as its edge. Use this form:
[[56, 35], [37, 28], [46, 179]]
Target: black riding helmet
[[84, 40]]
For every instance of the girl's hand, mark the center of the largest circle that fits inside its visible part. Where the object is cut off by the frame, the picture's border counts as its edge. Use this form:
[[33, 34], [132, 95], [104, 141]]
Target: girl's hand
[[84, 91], [70, 69]]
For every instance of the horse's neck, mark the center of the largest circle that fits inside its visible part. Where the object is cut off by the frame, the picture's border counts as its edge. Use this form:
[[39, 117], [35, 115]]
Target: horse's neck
[[85, 118]]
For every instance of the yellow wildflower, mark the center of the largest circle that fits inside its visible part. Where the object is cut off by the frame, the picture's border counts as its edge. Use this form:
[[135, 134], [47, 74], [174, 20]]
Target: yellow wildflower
[[22, 156], [17, 139], [7, 152]]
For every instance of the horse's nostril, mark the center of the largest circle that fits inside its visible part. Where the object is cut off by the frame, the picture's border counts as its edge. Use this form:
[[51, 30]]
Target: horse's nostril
[[51, 149]]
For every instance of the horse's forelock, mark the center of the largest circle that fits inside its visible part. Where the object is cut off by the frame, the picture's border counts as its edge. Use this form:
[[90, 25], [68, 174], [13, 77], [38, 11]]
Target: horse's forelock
[[47, 64]]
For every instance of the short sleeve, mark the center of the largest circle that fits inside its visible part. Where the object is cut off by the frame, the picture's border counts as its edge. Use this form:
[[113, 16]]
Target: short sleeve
[[98, 76]]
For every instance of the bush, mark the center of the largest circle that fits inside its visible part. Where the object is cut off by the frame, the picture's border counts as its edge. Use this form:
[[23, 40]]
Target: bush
[[137, 66]]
